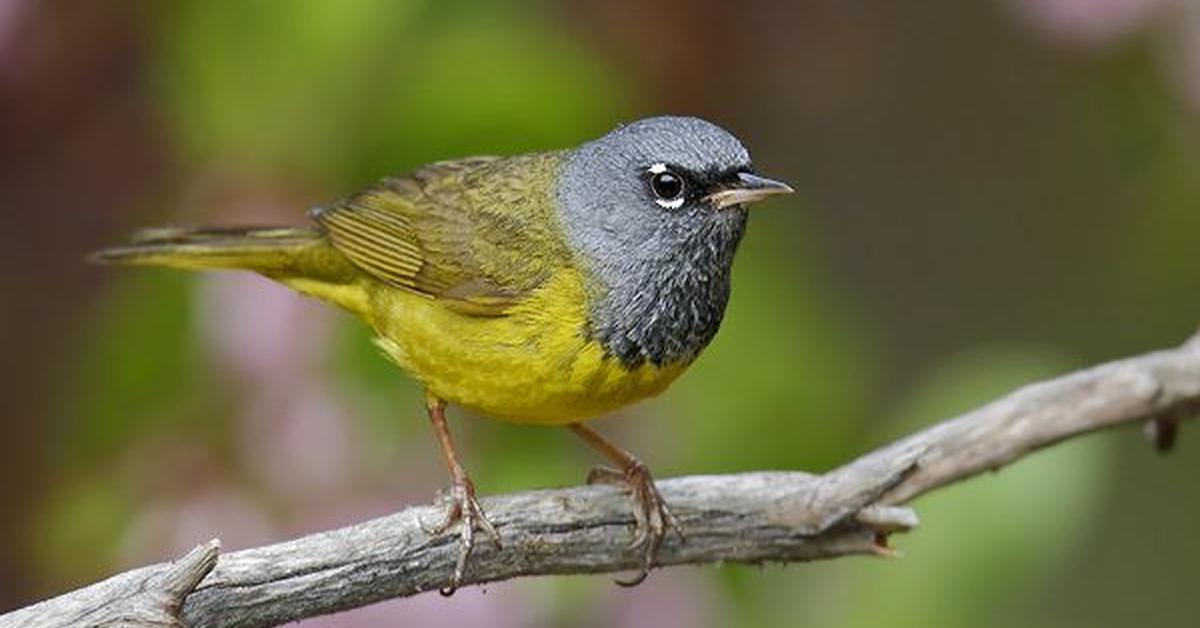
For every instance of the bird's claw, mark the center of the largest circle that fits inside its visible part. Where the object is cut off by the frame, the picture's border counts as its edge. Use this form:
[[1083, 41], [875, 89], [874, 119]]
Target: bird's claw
[[652, 517], [464, 510]]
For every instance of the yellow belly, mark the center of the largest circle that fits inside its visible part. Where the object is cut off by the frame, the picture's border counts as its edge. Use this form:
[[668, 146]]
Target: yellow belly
[[532, 366]]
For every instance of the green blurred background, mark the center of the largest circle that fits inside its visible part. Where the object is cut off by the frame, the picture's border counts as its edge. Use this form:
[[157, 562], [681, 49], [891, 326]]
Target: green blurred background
[[990, 193]]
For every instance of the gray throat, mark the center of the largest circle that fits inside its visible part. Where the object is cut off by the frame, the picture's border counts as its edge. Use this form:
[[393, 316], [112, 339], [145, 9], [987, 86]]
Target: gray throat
[[665, 310]]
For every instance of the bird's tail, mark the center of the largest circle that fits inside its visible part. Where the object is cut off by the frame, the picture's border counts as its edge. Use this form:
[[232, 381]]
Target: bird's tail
[[298, 257], [266, 249]]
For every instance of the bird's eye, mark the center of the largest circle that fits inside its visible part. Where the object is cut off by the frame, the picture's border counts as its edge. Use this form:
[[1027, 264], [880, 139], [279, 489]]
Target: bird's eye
[[667, 187]]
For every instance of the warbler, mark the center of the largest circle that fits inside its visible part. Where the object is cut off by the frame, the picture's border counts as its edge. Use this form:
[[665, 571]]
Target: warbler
[[546, 288]]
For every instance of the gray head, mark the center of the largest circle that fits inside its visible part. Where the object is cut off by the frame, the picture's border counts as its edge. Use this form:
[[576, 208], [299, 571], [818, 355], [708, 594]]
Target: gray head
[[656, 209]]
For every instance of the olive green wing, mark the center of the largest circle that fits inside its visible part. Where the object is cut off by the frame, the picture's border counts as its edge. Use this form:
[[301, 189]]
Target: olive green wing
[[478, 234]]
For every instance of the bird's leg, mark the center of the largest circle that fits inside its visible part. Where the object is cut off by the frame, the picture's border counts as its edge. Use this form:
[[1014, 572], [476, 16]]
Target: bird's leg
[[463, 509], [652, 518]]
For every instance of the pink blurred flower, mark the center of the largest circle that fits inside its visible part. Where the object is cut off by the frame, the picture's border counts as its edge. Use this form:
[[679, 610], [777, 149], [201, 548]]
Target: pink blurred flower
[[298, 442], [172, 527], [260, 330], [506, 605], [1182, 51], [683, 598], [13, 14], [1172, 24], [1090, 22]]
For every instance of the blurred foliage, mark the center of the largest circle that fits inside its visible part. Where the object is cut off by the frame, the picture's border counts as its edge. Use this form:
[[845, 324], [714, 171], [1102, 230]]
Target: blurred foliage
[[1000, 536], [138, 361], [982, 547], [802, 408], [86, 515], [343, 90]]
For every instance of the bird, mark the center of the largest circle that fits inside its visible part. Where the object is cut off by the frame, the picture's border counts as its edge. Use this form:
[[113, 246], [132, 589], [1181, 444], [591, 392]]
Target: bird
[[546, 288]]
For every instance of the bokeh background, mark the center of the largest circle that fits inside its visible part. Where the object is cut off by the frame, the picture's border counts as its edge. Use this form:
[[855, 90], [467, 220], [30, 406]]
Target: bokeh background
[[990, 193]]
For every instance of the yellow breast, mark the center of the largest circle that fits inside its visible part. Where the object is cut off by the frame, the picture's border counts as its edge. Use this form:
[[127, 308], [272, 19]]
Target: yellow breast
[[534, 365]]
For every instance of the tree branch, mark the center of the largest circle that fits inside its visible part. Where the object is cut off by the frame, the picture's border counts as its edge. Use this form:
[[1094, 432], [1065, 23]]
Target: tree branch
[[749, 518]]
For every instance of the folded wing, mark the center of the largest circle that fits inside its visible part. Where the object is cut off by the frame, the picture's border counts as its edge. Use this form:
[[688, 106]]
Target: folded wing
[[479, 234]]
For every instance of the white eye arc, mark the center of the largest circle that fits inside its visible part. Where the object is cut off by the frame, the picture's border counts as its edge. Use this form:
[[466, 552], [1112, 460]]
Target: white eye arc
[[657, 168], [675, 203]]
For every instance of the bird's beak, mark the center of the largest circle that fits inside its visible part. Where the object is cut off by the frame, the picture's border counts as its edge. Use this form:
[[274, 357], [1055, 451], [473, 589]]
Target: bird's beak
[[749, 188]]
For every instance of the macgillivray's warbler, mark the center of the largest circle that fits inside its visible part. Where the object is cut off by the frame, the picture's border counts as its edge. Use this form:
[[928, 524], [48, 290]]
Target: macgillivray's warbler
[[546, 288]]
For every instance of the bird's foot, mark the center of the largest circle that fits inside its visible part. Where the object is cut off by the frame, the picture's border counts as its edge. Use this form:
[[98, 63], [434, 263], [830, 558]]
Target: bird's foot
[[463, 509], [652, 517]]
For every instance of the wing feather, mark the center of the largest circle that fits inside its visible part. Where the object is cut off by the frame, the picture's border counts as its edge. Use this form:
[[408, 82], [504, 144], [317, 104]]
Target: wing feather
[[478, 233]]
